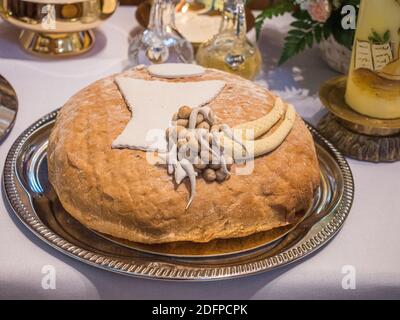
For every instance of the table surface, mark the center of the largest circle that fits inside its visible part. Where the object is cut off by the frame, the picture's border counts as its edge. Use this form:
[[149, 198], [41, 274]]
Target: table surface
[[367, 246]]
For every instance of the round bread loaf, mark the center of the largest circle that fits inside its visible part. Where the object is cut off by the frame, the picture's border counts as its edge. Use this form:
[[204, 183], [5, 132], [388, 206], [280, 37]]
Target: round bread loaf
[[117, 192]]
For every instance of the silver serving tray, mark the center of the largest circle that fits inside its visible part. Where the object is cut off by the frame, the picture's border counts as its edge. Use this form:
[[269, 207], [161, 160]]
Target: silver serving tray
[[34, 202]]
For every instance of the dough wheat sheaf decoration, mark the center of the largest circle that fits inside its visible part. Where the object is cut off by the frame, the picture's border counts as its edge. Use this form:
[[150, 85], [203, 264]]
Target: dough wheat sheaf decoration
[[200, 146]]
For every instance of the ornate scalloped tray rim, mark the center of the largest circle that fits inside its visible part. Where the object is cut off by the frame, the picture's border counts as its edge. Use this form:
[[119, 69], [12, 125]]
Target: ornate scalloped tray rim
[[159, 269]]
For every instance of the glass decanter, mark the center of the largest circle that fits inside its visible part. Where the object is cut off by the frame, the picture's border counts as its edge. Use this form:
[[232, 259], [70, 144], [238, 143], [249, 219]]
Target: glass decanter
[[230, 50], [160, 42]]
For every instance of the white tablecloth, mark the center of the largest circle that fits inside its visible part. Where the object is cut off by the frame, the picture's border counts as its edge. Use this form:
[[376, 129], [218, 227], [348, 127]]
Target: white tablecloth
[[369, 241]]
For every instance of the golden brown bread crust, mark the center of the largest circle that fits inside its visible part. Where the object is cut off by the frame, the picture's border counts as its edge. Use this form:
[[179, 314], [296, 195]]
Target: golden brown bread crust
[[118, 193]]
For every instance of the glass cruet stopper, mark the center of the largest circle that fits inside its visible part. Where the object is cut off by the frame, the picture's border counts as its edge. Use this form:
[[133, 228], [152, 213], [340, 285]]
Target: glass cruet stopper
[[160, 42], [230, 50]]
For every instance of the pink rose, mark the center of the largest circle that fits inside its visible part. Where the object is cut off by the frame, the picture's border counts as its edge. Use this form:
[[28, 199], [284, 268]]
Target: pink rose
[[319, 10]]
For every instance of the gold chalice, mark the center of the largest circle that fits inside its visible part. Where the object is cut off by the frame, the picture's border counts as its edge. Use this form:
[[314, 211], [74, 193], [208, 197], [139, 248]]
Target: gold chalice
[[57, 27]]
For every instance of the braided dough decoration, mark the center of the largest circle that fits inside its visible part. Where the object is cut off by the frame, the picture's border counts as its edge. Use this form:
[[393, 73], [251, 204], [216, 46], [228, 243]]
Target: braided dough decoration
[[256, 148], [262, 125]]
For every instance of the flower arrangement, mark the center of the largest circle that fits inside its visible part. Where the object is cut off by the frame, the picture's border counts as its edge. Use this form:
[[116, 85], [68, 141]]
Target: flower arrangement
[[315, 20]]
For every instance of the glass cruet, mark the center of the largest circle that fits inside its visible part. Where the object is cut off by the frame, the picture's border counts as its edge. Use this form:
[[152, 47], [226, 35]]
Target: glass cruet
[[160, 42], [230, 50]]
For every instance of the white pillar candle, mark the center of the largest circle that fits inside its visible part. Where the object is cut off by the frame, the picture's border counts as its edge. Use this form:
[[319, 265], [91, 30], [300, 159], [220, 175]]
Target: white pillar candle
[[373, 86]]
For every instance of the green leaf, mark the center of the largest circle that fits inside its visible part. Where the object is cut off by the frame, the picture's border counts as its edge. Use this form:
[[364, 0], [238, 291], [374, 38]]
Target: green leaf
[[318, 34], [386, 36], [302, 15], [326, 32], [377, 37], [300, 24], [293, 46], [309, 39], [274, 11], [296, 32]]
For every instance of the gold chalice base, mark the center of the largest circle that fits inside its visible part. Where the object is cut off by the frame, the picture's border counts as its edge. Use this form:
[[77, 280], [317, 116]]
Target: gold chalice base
[[57, 44], [356, 135], [57, 28]]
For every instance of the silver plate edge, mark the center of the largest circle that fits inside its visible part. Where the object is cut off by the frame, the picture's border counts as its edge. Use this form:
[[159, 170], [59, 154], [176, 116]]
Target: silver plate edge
[[165, 271]]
